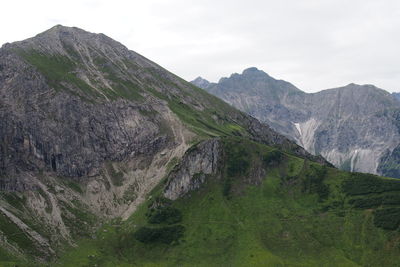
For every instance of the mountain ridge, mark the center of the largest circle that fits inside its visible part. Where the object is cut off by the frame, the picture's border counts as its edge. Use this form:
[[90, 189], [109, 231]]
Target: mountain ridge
[[303, 117]]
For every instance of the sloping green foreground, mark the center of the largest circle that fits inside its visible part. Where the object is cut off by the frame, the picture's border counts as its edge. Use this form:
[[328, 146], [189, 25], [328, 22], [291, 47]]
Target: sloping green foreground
[[302, 214]]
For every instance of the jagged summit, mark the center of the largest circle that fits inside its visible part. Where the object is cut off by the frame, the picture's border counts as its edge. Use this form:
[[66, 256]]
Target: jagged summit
[[200, 82], [248, 72], [255, 73], [60, 29], [252, 70], [256, 82], [75, 34], [58, 39], [66, 32], [79, 45]]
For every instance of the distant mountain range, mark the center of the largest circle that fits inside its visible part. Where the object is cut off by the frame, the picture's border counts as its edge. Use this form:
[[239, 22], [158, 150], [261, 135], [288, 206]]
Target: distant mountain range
[[355, 127]]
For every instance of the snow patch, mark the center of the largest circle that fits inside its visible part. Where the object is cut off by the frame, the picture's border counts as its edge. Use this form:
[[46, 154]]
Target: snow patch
[[306, 132], [297, 125]]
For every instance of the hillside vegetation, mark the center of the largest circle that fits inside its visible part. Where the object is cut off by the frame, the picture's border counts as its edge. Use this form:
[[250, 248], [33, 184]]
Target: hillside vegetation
[[299, 213]]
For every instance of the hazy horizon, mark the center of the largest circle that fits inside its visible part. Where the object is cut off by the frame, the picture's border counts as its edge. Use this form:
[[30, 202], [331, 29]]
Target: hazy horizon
[[313, 44]]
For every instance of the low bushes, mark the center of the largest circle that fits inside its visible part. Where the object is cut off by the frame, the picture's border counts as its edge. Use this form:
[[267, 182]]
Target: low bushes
[[362, 184], [388, 219], [273, 157], [313, 182], [160, 212], [167, 215], [366, 202], [165, 235]]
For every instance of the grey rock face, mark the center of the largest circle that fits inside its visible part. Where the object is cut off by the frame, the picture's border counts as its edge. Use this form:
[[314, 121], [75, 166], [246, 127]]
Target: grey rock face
[[45, 129], [201, 160], [200, 82], [353, 127], [396, 95], [66, 135]]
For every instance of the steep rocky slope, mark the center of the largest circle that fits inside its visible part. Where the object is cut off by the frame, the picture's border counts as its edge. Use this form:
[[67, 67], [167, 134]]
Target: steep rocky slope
[[354, 127], [88, 128]]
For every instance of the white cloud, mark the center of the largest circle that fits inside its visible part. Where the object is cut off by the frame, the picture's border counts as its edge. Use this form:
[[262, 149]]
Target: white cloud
[[314, 44]]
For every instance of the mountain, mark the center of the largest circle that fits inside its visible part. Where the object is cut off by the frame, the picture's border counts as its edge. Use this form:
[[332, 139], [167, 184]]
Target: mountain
[[201, 83], [107, 159], [355, 127], [88, 128], [396, 95]]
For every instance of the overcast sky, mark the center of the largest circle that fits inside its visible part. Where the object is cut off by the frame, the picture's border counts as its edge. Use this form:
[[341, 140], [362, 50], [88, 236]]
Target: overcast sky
[[315, 44]]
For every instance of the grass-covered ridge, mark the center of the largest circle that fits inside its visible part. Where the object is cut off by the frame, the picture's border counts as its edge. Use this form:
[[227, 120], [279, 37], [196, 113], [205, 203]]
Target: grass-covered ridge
[[278, 210]]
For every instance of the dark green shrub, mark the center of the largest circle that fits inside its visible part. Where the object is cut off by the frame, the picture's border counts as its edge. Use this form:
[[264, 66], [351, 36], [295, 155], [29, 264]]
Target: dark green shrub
[[167, 215], [313, 182], [388, 219], [366, 203], [165, 235], [362, 184], [273, 157], [238, 161], [392, 199], [226, 189], [159, 201]]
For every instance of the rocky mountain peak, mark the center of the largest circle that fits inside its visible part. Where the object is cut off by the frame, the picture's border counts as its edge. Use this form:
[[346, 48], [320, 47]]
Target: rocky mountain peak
[[60, 29], [71, 41], [200, 82], [252, 71], [256, 82]]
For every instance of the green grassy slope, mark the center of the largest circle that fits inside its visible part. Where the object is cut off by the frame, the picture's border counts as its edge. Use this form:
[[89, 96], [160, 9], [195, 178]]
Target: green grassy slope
[[297, 213]]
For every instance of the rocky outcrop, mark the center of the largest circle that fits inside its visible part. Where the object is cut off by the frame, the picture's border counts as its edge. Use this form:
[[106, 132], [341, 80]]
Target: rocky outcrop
[[354, 127], [200, 161]]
